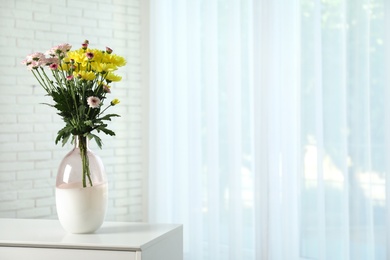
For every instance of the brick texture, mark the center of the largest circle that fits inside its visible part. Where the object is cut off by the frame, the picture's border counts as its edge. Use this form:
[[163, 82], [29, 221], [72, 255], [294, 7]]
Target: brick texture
[[28, 156]]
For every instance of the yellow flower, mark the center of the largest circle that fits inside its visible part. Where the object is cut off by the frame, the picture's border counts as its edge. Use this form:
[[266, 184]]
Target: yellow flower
[[66, 60], [64, 66], [113, 77], [97, 54], [114, 102], [118, 61], [80, 67], [87, 75], [103, 67], [78, 56]]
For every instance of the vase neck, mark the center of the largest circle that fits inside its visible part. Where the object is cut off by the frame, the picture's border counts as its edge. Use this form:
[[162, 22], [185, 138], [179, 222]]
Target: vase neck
[[81, 142]]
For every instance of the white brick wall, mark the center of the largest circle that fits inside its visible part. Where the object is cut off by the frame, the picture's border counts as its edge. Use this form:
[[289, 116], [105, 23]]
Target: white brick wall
[[28, 156]]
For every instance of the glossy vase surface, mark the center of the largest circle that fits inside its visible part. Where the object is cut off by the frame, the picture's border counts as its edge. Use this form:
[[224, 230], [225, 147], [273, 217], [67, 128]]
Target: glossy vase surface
[[81, 199]]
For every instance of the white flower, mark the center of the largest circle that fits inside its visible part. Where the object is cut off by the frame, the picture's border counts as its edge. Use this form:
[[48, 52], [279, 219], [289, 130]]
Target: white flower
[[93, 102]]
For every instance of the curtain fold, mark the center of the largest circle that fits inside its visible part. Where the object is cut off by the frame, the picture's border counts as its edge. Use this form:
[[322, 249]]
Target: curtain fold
[[195, 186], [386, 120], [209, 79], [269, 127]]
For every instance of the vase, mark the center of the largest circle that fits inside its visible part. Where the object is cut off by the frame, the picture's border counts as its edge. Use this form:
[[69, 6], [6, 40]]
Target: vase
[[81, 189]]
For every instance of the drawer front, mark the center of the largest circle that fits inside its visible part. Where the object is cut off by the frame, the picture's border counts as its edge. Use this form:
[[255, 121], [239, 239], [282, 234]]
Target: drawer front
[[25, 253]]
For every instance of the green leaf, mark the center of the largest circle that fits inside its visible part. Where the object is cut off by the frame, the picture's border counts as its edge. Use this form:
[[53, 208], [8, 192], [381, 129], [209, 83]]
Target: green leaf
[[65, 138], [97, 139], [108, 117], [47, 104], [64, 134], [105, 130]]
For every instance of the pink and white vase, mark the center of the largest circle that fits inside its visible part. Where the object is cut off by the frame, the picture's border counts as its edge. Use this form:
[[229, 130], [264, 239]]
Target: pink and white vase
[[81, 189]]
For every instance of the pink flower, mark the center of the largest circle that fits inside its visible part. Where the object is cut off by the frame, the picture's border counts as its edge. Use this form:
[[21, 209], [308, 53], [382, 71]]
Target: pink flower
[[33, 57], [108, 50], [106, 89], [33, 65], [93, 102], [49, 61], [84, 45], [70, 77], [51, 52], [37, 56], [25, 62], [53, 66], [65, 47], [59, 50], [89, 55], [34, 60]]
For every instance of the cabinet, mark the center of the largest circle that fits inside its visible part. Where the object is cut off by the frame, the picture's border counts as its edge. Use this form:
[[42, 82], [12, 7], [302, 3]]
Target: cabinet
[[45, 239]]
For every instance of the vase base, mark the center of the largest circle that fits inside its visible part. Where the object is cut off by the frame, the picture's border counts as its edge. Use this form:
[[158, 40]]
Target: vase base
[[81, 210]]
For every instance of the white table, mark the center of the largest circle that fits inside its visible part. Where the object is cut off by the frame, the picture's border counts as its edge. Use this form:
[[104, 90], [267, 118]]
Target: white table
[[46, 239]]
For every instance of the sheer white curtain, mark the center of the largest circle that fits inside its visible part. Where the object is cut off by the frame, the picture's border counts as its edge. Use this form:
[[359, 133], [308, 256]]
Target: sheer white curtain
[[269, 130]]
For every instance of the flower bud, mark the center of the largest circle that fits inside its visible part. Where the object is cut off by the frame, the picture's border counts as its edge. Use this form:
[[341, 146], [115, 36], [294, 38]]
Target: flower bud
[[108, 50], [114, 102], [106, 88], [53, 66], [89, 55]]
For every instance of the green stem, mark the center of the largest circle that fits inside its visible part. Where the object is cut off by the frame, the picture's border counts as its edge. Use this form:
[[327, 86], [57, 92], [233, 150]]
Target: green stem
[[41, 80], [85, 161], [104, 110]]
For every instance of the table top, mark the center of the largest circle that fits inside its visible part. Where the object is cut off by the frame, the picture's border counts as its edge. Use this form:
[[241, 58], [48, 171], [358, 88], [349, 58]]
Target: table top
[[124, 236]]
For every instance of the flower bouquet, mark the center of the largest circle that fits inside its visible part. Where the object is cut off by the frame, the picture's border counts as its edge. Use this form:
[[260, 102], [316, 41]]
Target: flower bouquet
[[78, 82]]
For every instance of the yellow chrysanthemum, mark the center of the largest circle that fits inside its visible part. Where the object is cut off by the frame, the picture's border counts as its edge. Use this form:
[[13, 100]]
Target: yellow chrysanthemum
[[78, 56], [118, 61], [105, 58], [81, 67], [97, 54], [113, 77], [87, 75], [66, 60], [103, 67], [64, 66]]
